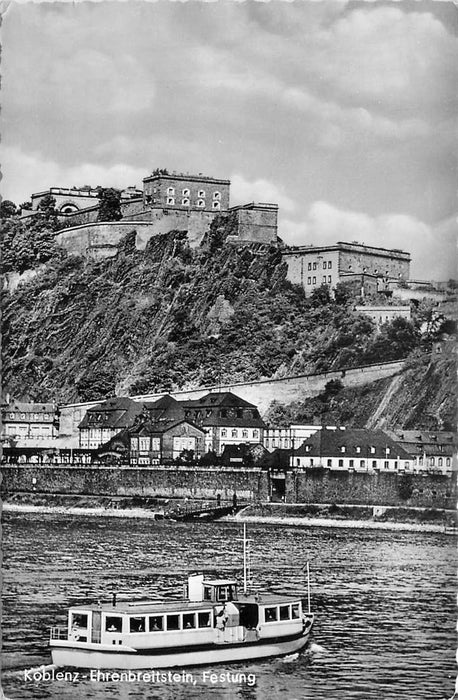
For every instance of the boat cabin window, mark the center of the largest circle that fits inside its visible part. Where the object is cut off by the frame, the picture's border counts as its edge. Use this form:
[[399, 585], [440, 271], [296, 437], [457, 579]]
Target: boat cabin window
[[137, 624], [79, 620], [173, 622], [156, 623], [270, 614], [284, 612], [295, 610], [189, 621], [113, 624], [204, 619], [225, 592]]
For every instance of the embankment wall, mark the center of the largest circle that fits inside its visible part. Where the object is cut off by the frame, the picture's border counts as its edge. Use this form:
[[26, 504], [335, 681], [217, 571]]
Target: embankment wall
[[168, 482], [353, 488], [302, 486]]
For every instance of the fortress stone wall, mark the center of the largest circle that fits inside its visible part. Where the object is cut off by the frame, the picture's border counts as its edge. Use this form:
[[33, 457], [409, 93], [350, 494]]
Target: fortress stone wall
[[261, 393]]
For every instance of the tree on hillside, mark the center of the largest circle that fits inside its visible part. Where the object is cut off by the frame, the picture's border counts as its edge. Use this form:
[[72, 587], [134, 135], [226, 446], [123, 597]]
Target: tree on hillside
[[7, 209], [109, 204], [321, 295], [395, 341]]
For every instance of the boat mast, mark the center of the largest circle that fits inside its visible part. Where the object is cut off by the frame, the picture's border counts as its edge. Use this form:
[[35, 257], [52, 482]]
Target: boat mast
[[245, 576], [308, 588]]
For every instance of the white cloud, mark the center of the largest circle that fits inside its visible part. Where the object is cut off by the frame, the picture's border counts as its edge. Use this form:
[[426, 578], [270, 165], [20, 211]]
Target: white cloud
[[243, 191], [433, 248], [28, 173]]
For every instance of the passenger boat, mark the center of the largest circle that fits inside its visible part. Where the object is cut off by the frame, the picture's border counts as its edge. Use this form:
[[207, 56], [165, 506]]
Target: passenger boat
[[212, 624]]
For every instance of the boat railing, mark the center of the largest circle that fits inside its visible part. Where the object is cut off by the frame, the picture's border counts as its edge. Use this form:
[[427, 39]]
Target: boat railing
[[59, 632]]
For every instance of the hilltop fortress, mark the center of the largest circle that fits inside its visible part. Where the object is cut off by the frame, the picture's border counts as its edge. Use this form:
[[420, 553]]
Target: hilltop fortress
[[183, 202]]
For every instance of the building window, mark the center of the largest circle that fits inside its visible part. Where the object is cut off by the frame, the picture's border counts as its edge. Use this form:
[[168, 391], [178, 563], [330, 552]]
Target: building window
[[11, 415], [329, 279], [234, 433], [170, 191], [311, 461], [432, 461], [245, 433], [374, 464], [216, 205], [387, 451], [309, 280], [201, 193], [342, 449], [200, 203], [324, 279], [185, 202], [351, 463], [223, 432], [324, 265], [386, 465], [171, 200], [186, 192], [216, 195], [314, 265], [329, 463], [255, 433], [144, 444], [340, 462], [447, 462], [329, 264], [372, 450], [362, 462], [309, 266], [314, 280]]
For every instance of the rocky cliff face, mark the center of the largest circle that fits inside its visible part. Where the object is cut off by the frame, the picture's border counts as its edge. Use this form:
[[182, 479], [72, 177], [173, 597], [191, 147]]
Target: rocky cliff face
[[172, 317], [421, 396]]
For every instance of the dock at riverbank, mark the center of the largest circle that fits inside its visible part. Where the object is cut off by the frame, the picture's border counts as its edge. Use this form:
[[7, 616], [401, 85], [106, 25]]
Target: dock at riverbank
[[300, 515]]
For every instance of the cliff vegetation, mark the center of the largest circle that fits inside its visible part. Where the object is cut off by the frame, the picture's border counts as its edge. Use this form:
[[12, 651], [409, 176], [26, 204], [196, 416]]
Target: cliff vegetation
[[171, 317]]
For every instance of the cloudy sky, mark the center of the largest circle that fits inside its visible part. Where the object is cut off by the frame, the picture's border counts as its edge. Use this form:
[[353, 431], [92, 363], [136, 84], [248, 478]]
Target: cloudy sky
[[342, 112]]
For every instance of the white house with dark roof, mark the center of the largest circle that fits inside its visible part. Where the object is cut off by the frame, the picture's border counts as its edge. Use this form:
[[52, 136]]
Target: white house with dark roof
[[107, 419], [432, 451], [227, 419], [29, 424], [357, 449]]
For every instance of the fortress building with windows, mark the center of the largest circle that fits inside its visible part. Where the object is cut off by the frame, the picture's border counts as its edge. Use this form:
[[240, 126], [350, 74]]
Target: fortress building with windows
[[184, 202]]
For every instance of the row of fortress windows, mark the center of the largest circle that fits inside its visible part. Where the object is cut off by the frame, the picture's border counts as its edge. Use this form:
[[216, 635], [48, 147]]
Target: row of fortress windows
[[186, 202], [326, 264]]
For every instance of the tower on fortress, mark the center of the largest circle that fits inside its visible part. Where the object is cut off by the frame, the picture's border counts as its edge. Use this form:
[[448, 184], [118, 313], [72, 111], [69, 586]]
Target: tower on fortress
[[180, 191]]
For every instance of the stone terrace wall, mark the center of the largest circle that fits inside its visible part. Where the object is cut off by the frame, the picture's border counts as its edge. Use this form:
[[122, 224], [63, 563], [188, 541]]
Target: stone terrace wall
[[169, 482], [307, 486], [353, 488]]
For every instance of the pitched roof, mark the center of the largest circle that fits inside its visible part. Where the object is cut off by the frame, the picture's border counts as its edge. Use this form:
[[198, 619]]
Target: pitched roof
[[420, 442], [161, 427], [329, 443], [117, 412], [223, 398]]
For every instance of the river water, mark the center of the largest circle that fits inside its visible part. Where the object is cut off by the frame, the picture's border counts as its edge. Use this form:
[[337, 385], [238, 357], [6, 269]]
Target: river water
[[384, 603]]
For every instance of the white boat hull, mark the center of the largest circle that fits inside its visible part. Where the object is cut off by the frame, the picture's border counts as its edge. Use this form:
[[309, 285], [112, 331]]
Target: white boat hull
[[91, 656]]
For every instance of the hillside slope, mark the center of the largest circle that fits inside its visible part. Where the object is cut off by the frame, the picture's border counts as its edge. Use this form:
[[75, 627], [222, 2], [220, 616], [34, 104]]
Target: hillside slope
[[171, 317], [422, 396]]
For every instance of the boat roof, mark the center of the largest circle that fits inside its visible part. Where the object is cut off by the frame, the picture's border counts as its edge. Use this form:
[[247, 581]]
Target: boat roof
[[159, 607]]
